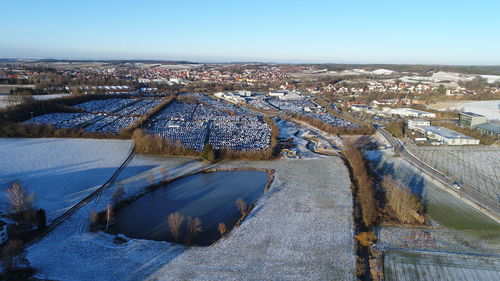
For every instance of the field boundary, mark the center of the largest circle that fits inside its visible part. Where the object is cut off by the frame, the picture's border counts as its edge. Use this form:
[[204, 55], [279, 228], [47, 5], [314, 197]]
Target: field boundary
[[83, 202]]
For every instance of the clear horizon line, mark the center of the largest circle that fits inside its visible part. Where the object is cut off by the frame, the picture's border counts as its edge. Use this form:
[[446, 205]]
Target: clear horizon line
[[232, 62]]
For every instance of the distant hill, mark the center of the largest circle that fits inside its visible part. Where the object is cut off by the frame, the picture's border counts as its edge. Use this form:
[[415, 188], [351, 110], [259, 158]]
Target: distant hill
[[418, 68]]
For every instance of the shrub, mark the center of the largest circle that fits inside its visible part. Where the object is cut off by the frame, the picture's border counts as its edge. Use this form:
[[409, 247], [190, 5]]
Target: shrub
[[363, 184], [13, 255], [326, 127], [118, 194], [222, 228], [405, 204], [366, 239], [396, 129], [194, 228], [41, 219], [242, 206]]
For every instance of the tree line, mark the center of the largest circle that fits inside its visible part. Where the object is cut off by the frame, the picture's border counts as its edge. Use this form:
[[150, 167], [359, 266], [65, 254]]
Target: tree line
[[402, 201], [155, 145], [326, 127]]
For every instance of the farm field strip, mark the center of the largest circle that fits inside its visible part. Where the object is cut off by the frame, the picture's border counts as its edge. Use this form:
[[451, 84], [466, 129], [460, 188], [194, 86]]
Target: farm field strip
[[410, 265], [442, 207], [477, 169]]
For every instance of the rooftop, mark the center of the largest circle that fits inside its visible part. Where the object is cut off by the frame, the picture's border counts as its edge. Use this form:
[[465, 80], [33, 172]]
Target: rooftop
[[445, 133], [490, 127], [418, 120], [471, 114]]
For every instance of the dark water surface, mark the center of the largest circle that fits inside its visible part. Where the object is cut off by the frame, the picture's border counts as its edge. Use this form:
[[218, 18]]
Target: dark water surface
[[210, 196]]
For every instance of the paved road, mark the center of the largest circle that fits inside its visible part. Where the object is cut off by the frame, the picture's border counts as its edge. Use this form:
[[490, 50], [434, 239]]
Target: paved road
[[484, 203]]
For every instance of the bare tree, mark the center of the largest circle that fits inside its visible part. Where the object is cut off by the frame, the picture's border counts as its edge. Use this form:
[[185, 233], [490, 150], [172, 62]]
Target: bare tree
[[194, 228], [109, 214], [13, 255], [19, 198], [175, 222], [93, 220], [150, 178], [222, 228], [164, 172], [118, 194], [242, 206], [405, 204]]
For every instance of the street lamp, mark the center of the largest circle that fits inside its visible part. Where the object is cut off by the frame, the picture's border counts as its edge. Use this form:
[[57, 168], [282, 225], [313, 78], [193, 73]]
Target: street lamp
[[31, 114]]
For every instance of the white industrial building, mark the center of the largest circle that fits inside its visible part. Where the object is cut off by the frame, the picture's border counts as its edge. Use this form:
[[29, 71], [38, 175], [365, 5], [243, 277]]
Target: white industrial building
[[285, 95], [359, 107], [413, 123], [446, 136], [244, 93], [410, 112], [230, 97]]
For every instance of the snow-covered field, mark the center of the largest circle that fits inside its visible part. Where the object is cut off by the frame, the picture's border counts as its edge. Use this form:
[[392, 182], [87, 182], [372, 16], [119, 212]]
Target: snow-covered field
[[301, 229], [409, 266], [490, 108], [491, 78], [456, 227], [443, 208], [60, 172], [289, 130], [440, 76], [476, 167]]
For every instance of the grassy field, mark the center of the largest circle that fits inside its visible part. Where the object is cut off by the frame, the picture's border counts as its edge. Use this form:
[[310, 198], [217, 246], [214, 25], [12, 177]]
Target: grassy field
[[443, 208], [410, 265], [411, 253], [477, 168]]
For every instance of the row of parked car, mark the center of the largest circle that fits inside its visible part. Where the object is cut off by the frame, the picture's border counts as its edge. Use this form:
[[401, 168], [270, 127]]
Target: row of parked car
[[194, 124]]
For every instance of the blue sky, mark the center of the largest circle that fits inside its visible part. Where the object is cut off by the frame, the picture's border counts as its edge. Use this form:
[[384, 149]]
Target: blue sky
[[424, 32]]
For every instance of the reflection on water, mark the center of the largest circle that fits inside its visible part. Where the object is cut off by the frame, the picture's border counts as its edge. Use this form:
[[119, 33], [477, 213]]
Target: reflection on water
[[211, 197]]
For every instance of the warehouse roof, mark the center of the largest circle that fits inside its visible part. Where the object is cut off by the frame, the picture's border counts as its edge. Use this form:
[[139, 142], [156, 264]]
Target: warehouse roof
[[490, 127], [445, 133], [472, 114]]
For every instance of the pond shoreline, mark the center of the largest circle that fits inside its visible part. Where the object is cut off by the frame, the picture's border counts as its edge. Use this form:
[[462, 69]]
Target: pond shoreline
[[100, 222]]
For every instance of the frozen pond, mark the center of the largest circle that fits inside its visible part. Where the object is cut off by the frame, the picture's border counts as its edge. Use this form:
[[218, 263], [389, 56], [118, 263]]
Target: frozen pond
[[211, 197]]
